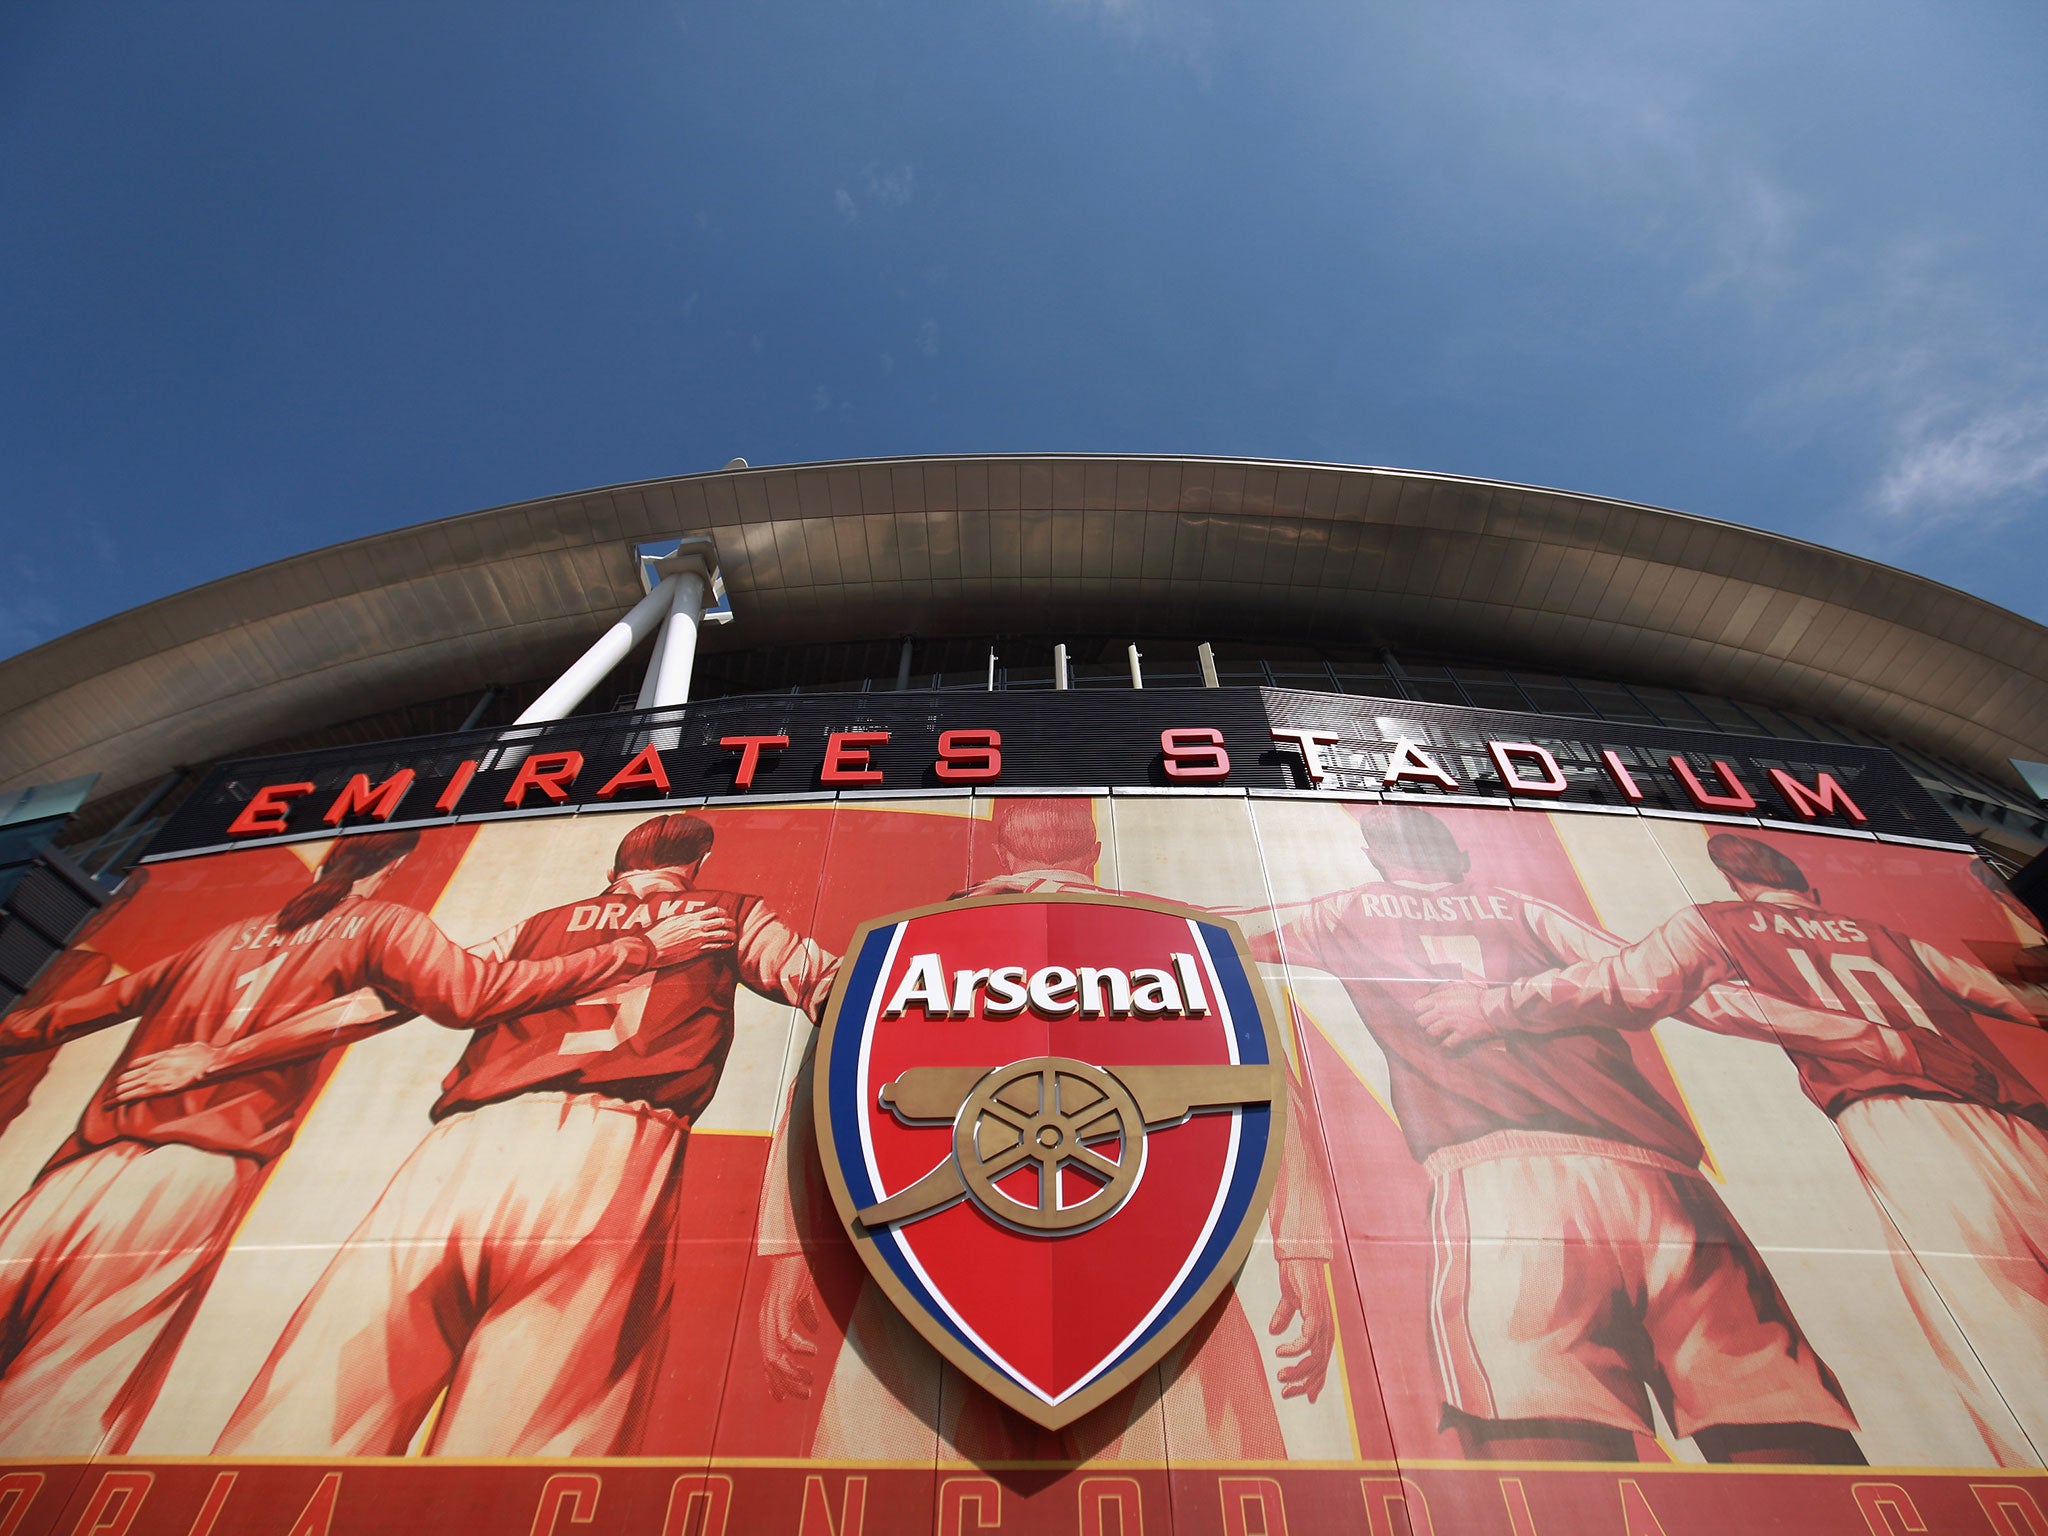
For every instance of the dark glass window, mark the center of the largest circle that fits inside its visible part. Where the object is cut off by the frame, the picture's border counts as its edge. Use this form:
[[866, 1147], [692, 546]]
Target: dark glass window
[[1614, 702], [1779, 725], [1557, 699], [1671, 707]]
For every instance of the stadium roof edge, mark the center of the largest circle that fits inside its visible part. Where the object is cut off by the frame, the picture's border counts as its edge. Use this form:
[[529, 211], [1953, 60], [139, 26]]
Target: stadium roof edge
[[1149, 544]]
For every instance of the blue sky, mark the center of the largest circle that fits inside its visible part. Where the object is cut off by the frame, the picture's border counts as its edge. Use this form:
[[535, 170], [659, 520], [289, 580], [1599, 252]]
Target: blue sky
[[277, 275]]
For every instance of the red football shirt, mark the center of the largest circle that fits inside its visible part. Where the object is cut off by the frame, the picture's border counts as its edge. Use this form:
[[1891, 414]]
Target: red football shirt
[[1389, 943], [245, 976], [1806, 957], [660, 1038]]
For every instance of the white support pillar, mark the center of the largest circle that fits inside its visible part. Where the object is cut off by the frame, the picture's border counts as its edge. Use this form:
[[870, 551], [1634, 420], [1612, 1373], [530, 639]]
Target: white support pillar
[[676, 604], [675, 648], [590, 669], [1137, 674]]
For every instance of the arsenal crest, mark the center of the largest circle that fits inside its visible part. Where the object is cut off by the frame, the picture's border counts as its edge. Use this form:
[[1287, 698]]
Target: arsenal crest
[[1051, 1124]]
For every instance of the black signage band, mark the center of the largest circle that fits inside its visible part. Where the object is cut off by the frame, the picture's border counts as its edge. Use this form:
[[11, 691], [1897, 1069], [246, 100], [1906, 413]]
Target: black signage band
[[1230, 739]]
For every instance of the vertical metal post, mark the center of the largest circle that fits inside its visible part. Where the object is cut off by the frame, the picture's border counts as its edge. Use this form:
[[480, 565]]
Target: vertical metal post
[[1060, 675], [991, 669], [903, 667], [476, 712], [1205, 653], [1137, 677]]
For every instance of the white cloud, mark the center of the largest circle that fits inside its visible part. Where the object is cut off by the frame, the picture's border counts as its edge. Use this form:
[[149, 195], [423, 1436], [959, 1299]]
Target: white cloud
[[928, 338], [1176, 30], [891, 189], [880, 188], [1980, 466], [1879, 339]]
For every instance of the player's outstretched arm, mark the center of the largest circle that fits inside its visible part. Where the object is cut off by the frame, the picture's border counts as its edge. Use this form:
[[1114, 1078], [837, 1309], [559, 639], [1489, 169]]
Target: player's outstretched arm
[[779, 963], [36, 1029], [309, 1033], [413, 962], [1973, 986], [1272, 932], [1824, 1032], [1653, 978]]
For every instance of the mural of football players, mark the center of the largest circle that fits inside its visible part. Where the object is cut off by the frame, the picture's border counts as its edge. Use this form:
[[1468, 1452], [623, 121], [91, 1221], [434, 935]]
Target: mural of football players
[[1948, 1136], [1216, 1403], [2021, 963], [1582, 1262], [79, 967], [106, 1258], [515, 1270]]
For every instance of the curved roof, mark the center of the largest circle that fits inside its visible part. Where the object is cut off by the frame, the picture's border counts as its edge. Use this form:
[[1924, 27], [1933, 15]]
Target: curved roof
[[1143, 546]]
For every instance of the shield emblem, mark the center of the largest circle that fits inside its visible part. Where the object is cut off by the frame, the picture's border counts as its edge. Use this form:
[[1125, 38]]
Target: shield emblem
[[1051, 1124]]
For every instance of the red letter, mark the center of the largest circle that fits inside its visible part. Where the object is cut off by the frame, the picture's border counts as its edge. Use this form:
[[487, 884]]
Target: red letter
[[1520, 1521], [1826, 798], [1737, 798], [969, 756], [646, 768], [1637, 1518], [209, 1511], [1880, 1501], [549, 772], [1383, 1493], [104, 1516], [266, 809], [17, 1491], [1505, 752], [1623, 779], [749, 749], [457, 783], [1241, 1494], [1194, 752], [816, 1519], [2010, 1509], [1098, 1494], [846, 758], [956, 1493], [577, 1490], [713, 1489], [358, 799], [318, 1515]]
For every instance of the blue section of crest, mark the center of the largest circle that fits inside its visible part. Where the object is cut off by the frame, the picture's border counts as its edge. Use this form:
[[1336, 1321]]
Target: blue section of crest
[[842, 1072], [1255, 1128], [1237, 994]]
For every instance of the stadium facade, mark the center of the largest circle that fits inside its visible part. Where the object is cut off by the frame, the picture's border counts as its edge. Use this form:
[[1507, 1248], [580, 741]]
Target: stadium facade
[[1114, 994]]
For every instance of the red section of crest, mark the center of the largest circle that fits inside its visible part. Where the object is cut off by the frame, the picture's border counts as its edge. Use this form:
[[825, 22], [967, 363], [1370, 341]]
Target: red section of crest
[[1053, 1307]]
